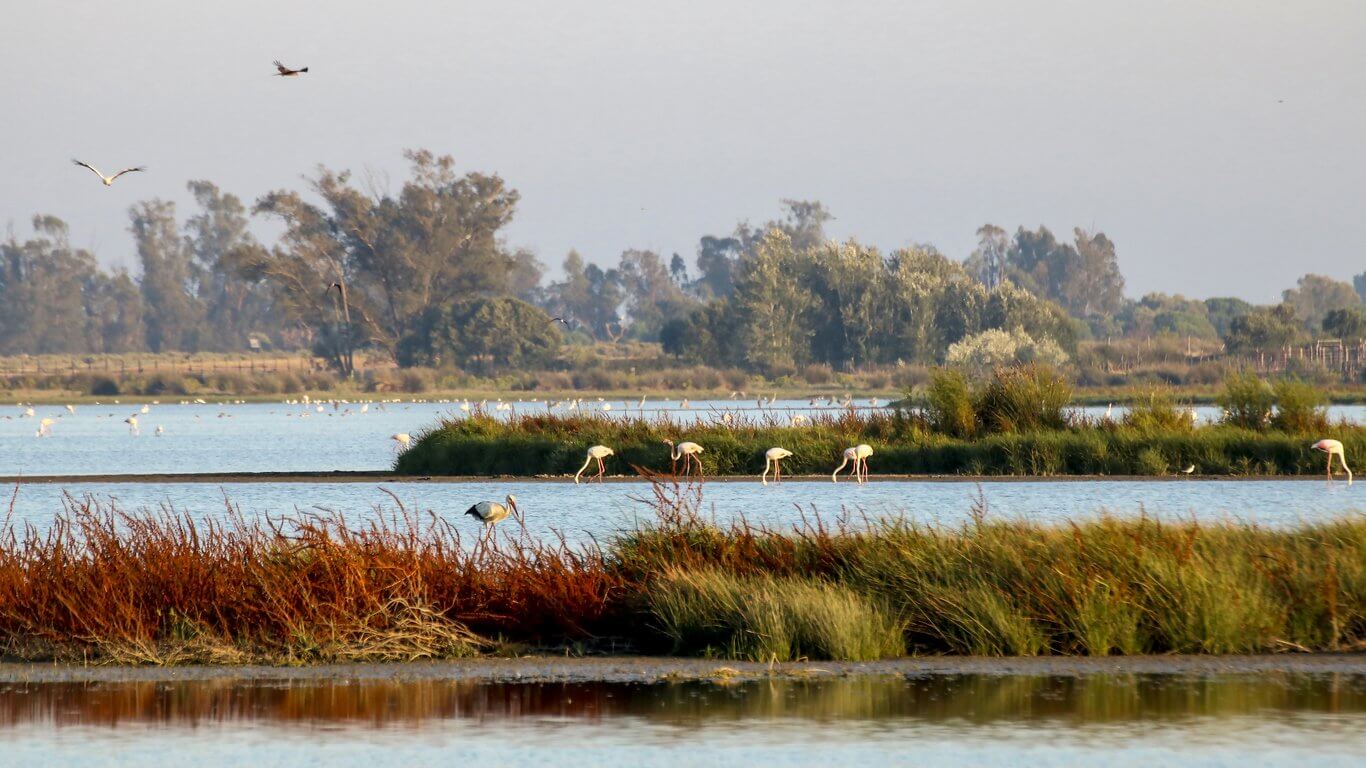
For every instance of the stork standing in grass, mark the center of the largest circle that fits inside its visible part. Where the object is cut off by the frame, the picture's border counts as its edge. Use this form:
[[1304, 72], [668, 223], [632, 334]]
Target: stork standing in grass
[[598, 452], [774, 456], [1334, 448], [689, 452], [859, 455]]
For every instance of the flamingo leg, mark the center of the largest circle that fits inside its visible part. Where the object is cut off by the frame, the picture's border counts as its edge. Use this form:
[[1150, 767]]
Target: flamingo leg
[[1330, 466], [602, 470], [777, 471]]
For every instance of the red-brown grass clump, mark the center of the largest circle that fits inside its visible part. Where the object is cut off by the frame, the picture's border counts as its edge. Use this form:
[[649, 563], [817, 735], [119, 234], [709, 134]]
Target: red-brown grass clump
[[163, 587]]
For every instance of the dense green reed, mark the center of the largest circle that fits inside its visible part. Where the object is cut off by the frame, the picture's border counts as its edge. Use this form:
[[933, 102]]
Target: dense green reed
[[1155, 445], [1106, 586]]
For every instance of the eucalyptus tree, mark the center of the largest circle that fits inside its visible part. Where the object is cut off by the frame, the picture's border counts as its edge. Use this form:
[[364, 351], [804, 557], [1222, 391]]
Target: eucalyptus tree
[[361, 267]]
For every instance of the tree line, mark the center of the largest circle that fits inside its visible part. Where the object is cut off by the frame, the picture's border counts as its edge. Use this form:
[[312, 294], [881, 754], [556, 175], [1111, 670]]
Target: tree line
[[424, 276]]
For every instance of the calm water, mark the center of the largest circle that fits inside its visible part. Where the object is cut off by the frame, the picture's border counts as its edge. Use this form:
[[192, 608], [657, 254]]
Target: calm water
[[274, 437], [601, 509], [1115, 720]]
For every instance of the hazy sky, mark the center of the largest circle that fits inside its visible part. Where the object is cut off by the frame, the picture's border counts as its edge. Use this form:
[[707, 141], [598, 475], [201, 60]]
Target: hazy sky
[[1160, 123]]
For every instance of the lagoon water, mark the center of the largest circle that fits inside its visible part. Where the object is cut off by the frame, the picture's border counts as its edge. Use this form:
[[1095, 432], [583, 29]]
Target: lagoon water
[[600, 510], [1269, 719], [275, 437]]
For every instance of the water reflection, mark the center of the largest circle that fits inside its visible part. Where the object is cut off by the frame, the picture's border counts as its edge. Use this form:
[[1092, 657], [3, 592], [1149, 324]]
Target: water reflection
[[1116, 720], [945, 699]]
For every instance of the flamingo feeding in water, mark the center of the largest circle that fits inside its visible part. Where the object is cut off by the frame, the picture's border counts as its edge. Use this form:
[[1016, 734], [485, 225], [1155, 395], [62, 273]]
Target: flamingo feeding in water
[[1334, 448], [689, 451], [859, 455], [598, 452], [773, 456]]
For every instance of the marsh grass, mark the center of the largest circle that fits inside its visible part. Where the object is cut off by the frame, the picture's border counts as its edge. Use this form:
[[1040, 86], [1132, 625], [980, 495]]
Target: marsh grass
[[162, 587]]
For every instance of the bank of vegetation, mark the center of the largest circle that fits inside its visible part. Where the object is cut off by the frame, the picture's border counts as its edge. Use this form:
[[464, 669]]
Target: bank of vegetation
[[1015, 421], [165, 588]]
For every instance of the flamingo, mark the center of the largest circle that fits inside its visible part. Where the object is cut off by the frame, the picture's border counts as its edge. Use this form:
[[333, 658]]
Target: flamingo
[[402, 438], [1334, 448], [45, 427], [109, 180], [773, 456], [160, 430], [490, 512], [598, 452], [132, 422], [688, 451], [859, 454]]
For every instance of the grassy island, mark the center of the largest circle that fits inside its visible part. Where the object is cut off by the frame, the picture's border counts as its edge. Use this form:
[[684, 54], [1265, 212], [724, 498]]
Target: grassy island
[[106, 586]]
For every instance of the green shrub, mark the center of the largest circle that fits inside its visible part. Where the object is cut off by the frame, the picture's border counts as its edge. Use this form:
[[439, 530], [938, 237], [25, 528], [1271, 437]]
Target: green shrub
[[1246, 400], [1299, 407], [1158, 412], [948, 404], [1022, 399]]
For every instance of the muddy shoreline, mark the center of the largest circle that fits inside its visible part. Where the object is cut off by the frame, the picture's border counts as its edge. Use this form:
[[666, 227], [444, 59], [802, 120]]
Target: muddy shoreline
[[340, 476], [643, 669]]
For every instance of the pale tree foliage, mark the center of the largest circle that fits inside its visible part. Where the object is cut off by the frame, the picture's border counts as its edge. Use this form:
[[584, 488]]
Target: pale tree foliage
[[772, 333], [995, 348], [1315, 296], [390, 257]]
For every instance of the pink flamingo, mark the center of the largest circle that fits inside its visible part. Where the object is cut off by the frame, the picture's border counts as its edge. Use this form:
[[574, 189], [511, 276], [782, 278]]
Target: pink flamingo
[[1334, 448]]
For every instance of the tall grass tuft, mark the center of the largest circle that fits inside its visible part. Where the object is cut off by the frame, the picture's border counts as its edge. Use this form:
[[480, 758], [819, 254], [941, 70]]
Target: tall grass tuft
[[763, 618]]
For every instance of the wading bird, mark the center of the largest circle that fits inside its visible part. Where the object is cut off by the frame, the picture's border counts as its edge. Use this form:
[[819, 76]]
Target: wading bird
[[689, 452], [1190, 470], [282, 71], [1334, 448], [773, 456], [859, 455], [598, 452], [490, 512], [402, 438], [132, 422], [160, 431], [45, 427], [109, 180]]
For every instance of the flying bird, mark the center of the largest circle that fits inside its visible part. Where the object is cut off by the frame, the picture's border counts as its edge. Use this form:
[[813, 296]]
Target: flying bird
[[283, 71], [108, 180]]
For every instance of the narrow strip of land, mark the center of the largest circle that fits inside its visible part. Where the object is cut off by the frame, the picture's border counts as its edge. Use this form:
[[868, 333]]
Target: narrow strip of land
[[389, 477], [645, 669]]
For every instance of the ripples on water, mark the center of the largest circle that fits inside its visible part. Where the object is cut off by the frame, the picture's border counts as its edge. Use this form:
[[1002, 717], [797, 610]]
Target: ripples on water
[[273, 437], [599, 510], [1120, 720]]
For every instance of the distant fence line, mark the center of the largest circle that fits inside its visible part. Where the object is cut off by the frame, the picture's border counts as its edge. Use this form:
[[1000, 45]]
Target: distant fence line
[[1332, 355]]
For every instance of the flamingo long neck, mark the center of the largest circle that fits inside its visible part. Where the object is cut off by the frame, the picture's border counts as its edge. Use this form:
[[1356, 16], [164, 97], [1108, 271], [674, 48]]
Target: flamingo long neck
[[676, 452], [586, 462]]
